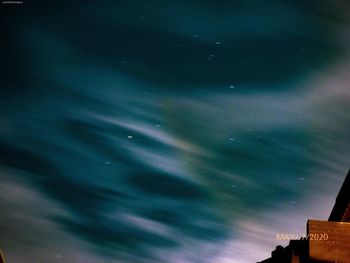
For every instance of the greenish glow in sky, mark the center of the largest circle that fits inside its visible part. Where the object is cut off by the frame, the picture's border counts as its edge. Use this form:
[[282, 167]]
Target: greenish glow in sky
[[158, 131]]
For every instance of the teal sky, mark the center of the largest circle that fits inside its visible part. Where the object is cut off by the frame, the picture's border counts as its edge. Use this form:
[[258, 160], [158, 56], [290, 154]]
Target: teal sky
[[159, 131]]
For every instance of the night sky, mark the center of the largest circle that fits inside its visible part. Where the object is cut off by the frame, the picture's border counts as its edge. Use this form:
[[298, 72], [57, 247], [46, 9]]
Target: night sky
[[169, 131]]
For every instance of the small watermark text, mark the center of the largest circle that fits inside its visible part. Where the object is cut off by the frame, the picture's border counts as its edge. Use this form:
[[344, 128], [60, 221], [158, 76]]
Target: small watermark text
[[298, 236]]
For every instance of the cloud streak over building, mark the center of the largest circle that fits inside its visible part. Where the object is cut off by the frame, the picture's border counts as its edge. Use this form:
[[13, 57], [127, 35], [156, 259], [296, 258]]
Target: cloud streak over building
[[177, 132]]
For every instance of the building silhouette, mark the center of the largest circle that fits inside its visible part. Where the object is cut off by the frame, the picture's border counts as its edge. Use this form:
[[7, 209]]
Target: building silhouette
[[325, 241], [1, 258]]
